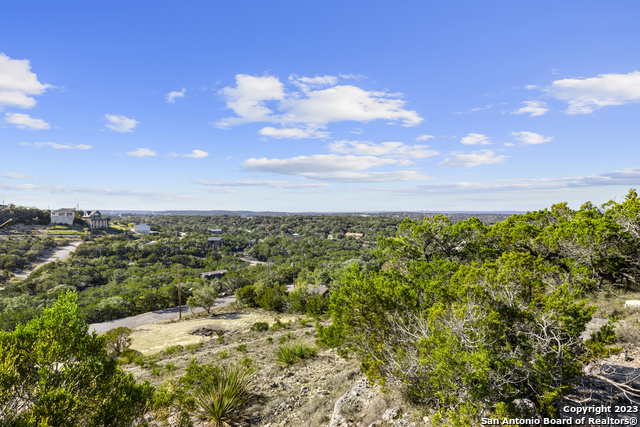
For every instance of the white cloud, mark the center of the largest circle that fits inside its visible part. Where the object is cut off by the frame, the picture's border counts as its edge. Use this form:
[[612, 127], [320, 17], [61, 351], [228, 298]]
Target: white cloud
[[587, 95], [293, 133], [306, 83], [172, 96], [531, 137], [14, 175], [312, 107], [391, 149], [57, 146], [332, 167], [424, 137], [476, 158], [120, 123], [475, 139], [18, 84], [247, 99], [351, 176], [197, 154], [340, 103], [319, 163], [141, 152], [533, 108], [261, 183], [25, 121]]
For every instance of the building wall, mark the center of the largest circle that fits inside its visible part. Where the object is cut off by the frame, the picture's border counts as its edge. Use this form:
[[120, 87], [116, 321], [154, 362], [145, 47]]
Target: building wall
[[62, 218]]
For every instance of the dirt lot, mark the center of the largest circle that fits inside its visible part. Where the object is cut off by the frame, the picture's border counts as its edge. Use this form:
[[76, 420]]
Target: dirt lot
[[155, 337]]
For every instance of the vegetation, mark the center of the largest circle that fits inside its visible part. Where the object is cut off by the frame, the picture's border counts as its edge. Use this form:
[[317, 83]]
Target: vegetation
[[288, 354], [467, 317], [53, 373]]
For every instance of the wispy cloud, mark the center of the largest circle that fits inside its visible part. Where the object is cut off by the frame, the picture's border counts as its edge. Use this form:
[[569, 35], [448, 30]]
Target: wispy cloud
[[531, 137], [25, 121], [14, 175], [475, 139], [142, 152], [476, 158], [625, 178], [585, 95], [293, 133], [57, 146], [262, 183], [333, 167], [172, 96], [390, 149], [62, 189], [424, 137], [18, 84], [120, 123], [195, 154], [533, 108]]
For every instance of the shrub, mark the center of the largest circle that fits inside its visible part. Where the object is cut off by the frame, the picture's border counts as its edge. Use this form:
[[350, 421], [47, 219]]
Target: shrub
[[242, 348], [260, 326]]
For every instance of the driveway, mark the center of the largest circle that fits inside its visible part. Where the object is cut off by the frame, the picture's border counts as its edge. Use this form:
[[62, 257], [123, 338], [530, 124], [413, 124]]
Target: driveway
[[60, 253], [153, 316]]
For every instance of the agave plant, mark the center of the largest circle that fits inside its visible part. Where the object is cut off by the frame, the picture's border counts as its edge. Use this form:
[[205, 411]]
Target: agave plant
[[223, 400]]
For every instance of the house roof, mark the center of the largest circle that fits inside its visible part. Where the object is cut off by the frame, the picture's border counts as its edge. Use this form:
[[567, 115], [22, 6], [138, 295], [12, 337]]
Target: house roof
[[90, 214], [63, 210], [213, 273], [214, 239]]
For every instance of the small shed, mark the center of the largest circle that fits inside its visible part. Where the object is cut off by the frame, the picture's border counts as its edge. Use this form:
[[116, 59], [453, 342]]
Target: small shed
[[213, 274]]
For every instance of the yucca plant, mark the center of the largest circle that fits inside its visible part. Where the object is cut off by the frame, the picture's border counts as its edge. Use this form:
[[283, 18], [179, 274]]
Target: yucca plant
[[223, 400], [286, 355], [304, 350]]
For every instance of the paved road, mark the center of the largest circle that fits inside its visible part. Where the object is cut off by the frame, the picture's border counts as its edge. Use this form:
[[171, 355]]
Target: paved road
[[153, 316], [60, 253]]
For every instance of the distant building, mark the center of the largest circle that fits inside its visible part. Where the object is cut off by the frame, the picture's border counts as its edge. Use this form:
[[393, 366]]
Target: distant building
[[63, 216], [214, 230], [214, 241], [142, 229], [213, 274], [356, 235], [95, 219]]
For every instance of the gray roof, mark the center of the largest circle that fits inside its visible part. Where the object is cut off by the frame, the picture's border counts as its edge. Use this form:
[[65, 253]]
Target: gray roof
[[63, 210], [214, 239]]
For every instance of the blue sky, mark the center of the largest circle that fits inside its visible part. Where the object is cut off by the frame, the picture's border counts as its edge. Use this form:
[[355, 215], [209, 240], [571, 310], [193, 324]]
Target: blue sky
[[319, 106]]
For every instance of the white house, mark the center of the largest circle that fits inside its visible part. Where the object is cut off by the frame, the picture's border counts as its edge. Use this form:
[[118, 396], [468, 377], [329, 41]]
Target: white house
[[63, 216], [142, 229]]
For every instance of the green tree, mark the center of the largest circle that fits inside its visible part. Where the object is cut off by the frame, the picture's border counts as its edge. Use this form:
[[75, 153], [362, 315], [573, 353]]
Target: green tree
[[54, 373], [465, 337], [204, 296]]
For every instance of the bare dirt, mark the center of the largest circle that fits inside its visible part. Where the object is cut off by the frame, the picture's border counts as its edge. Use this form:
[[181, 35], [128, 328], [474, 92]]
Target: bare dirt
[[155, 337]]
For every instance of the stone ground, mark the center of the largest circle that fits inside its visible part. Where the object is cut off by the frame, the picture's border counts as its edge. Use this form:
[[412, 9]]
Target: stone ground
[[327, 390]]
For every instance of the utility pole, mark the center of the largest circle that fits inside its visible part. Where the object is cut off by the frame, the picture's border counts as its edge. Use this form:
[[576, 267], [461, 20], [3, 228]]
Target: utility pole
[[179, 298]]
